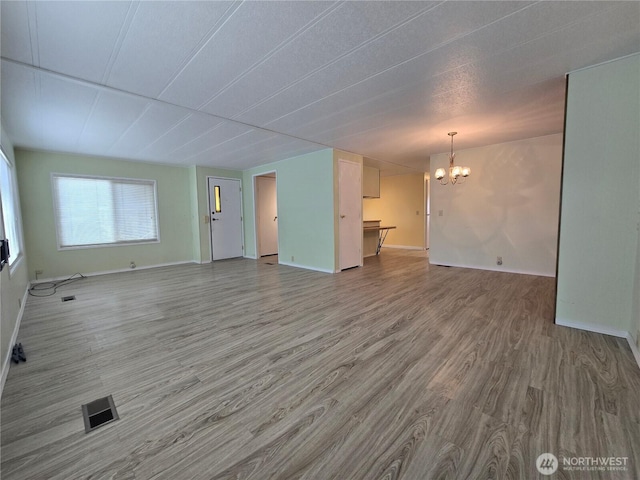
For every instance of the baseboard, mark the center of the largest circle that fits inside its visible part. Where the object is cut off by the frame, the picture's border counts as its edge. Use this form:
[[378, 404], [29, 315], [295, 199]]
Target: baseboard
[[252, 257], [634, 348], [306, 267], [592, 328], [403, 247], [14, 337], [605, 331], [489, 269], [119, 270]]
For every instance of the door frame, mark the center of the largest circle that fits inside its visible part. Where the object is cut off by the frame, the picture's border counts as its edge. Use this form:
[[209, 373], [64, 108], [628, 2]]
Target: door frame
[[255, 210], [209, 213]]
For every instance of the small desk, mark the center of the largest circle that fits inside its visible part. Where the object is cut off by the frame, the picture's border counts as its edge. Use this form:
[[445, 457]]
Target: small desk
[[383, 231]]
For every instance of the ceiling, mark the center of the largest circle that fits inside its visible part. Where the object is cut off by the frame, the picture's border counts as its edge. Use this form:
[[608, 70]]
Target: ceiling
[[239, 84]]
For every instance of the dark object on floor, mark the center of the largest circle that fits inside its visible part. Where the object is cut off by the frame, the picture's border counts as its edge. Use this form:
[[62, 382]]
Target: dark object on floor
[[18, 353]]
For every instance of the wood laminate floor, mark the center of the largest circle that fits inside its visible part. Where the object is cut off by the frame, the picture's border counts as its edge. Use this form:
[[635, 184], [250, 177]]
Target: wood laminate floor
[[398, 370]]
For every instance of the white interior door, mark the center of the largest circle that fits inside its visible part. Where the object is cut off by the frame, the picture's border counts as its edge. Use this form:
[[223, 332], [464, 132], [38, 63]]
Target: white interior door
[[267, 215], [350, 208], [427, 213], [225, 205]]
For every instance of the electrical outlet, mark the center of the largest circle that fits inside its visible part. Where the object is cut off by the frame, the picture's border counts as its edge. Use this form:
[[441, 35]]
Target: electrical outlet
[[38, 272], [417, 212], [440, 213], [292, 258], [499, 261]]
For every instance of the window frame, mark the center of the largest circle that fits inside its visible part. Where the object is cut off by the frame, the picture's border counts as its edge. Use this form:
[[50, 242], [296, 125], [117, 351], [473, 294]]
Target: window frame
[[17, 213], [62, 248]]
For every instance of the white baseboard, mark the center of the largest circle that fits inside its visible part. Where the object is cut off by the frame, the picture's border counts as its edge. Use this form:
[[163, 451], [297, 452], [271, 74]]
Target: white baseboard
[[403, 247], [592, 328], [634, 348], [14, 337], [252, 257], [306, 267], [491, 269], [119, 270], [605, 331]]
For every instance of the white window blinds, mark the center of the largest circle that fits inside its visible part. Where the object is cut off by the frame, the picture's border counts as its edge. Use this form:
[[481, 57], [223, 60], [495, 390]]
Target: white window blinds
[[95, 211]]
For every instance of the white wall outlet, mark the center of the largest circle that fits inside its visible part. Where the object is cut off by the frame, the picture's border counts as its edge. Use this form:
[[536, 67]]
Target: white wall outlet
[[292, 258], [440, 213], [499, 261]]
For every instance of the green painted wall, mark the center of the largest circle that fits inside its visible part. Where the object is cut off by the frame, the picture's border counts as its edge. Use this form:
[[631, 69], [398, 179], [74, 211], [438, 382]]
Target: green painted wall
[[13, 283], [597, 263], [305, 191], [174, 209]]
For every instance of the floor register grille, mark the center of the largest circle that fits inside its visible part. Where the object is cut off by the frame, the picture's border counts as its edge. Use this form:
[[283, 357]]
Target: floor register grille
[[99, 413]]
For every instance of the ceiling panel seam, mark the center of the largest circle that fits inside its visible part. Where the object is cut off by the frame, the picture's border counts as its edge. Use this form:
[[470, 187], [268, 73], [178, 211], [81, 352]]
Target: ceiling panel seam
[[38, 93], [32, 22], [404, 62], [131, 125], [219, 143], [549, 33], [162, 135], [203, 43], [270, 54], [338, 58], [122, 35], [106, 88], [207, 132], [169, 130], [96, 98]]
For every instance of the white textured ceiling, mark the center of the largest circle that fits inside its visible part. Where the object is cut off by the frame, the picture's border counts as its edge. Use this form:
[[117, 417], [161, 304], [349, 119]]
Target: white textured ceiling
[[239, 84]]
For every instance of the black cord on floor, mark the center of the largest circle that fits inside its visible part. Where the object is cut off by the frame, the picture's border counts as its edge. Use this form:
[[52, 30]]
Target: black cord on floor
[[43, 287]]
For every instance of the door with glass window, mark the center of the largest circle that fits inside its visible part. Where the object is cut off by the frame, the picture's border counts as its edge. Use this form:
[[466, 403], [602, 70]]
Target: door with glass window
[[225, 207]]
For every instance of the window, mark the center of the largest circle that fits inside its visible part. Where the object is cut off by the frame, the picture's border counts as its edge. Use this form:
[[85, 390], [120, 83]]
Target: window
[[10, 208], [101, 211]]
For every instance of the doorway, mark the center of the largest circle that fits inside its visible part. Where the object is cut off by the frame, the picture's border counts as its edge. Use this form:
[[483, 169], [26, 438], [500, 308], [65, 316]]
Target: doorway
[[350, 209], [266, 208], [225, 205]]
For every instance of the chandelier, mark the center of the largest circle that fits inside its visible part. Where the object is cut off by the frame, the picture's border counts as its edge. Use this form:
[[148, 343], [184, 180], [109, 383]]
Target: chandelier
[[457, 174]]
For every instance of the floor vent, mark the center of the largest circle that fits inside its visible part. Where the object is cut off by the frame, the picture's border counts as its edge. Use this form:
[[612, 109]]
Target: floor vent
[[69, 298], [269, 263], [98, 413]]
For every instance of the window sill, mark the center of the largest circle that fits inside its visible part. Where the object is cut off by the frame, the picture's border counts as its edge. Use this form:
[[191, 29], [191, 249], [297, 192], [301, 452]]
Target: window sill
[[13, 266]]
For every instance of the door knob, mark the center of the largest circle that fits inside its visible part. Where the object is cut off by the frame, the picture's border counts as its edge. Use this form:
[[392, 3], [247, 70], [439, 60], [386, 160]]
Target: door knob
[[275, 218], [342, 216], [214, 219]]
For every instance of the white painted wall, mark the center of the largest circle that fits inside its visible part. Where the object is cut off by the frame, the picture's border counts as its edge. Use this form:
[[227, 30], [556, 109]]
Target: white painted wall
[[508, 207], [598, 256]]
